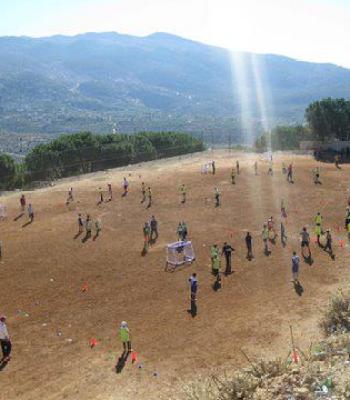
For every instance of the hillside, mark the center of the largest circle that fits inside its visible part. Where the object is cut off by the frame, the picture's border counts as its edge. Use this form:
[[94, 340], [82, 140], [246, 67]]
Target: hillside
[[103, 81]]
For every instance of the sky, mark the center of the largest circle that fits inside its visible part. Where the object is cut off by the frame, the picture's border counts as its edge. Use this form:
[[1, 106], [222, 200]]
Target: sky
[[310, 30]]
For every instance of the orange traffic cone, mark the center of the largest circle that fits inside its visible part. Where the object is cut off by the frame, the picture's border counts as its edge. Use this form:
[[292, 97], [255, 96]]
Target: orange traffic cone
[[133, 357], [85, 287], [93, 342]]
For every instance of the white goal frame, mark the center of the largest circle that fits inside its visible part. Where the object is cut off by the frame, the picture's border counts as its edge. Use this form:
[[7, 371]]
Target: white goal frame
[[179, 253]]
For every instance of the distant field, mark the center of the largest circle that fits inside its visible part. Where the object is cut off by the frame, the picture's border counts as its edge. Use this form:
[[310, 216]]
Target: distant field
[[44, 268]]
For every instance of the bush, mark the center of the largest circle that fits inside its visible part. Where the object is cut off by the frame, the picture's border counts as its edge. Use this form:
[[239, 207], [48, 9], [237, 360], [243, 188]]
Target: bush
[[7, 172], [337, 317]]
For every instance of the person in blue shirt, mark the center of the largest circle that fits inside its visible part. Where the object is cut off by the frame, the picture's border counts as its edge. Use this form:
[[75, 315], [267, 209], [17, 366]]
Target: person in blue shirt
[[295, 266]]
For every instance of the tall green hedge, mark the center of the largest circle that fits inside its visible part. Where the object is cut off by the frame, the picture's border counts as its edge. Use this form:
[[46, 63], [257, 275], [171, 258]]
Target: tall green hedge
[[84, 152]]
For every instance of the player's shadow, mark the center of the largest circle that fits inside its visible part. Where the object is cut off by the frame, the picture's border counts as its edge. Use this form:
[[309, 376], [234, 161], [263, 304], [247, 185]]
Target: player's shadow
[[153, 240], [121, 362], [193, 310], [330, 253], [149, 205], [86, 237], [299, 290], [308, 259], [18, 217], [27, 224], [3, 365], [77, 235], [249, 257], [217, 283]]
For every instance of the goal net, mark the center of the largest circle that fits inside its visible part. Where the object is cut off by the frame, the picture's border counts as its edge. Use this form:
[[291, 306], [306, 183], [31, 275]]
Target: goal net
[[179, 253]]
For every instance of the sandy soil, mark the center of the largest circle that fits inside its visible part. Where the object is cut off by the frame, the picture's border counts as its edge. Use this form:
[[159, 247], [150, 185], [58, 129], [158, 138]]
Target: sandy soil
[[44, 268]]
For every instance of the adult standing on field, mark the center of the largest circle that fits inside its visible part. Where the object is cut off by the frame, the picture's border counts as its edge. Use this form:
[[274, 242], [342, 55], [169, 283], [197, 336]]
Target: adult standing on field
[[154, 229], [194, 286], [305, 242], [227, 251], [124, 333], [213, 167], [248, 242], [5, 341]]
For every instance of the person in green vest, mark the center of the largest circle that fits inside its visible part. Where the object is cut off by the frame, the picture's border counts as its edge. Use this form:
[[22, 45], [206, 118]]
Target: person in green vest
[[265, 238], [147, 236], [216, 265], [348, 229], [318, 219], [318, 228], [125, 336], [215, 259], [318, 232]]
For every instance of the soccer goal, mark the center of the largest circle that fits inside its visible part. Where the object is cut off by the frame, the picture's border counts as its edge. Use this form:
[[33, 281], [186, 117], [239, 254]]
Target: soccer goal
[[179, 253]]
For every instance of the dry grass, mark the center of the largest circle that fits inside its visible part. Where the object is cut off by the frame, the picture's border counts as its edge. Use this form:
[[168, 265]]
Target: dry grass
[[337, 318], [325, 367]]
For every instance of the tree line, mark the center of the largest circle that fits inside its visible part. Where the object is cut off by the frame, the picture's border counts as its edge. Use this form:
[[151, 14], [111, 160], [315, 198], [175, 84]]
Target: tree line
[[326, 120], [85, 152]]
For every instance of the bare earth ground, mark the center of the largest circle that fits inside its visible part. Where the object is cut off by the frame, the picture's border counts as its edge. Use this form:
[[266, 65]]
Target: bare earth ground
[[44, 269]]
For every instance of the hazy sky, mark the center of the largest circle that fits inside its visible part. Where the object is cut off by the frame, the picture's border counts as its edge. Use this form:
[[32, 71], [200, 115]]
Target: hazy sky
[[312, 30]]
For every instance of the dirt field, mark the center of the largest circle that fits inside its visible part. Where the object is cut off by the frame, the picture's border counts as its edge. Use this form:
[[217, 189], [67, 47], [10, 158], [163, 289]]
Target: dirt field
[[44, 268]]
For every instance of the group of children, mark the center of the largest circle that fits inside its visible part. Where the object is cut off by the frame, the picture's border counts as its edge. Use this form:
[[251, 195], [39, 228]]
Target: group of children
[[150, 233], [89, 224]]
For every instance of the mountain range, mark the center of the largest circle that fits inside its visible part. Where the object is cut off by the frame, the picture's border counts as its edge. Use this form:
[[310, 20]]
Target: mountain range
[[108, 82]]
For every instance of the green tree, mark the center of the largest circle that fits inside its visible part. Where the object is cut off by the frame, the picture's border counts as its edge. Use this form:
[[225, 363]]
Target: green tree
[[7, 172], [329, 118], [261, 143]]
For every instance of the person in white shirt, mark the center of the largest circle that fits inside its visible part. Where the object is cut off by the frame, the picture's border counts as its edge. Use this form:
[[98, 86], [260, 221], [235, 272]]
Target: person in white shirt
[[30, 213], [4, 340]]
